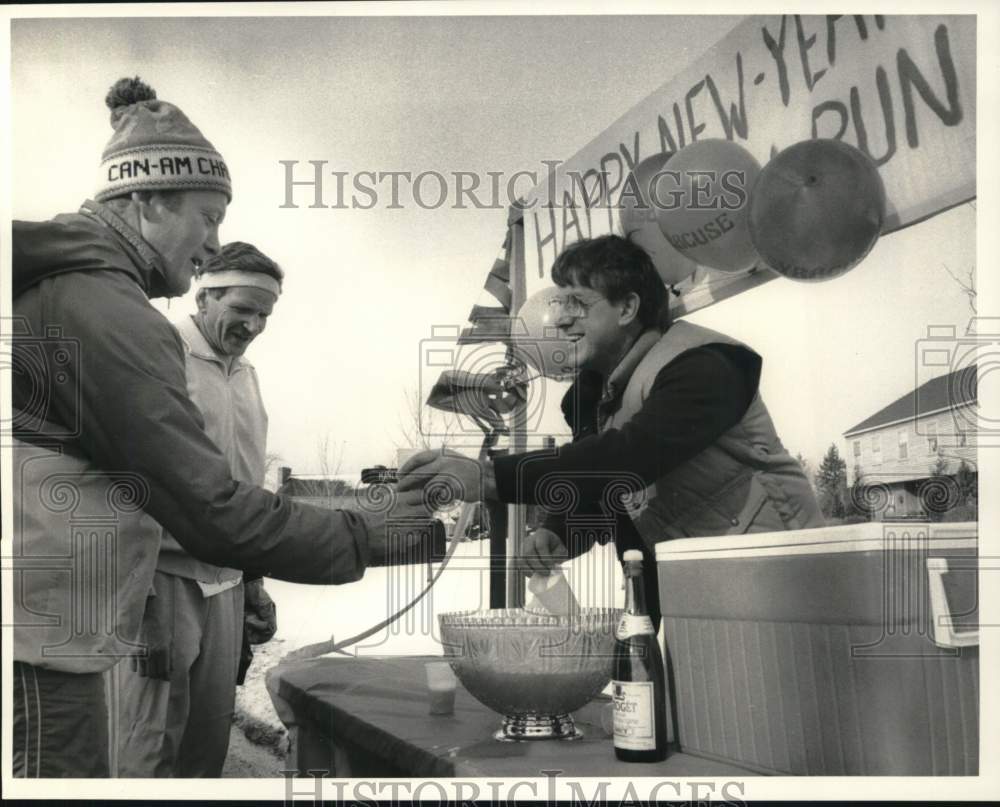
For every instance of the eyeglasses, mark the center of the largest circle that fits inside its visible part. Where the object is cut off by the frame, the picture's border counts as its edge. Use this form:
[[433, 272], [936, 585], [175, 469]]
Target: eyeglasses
[[571, 305]]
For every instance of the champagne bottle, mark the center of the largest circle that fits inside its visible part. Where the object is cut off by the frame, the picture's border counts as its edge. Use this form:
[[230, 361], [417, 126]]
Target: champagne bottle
[[638, 688]]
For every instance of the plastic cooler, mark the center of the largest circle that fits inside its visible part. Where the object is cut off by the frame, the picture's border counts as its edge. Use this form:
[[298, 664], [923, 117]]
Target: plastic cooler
[[842, 650]]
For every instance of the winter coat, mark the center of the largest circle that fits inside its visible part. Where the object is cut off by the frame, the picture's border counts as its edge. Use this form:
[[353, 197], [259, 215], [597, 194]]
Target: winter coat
[[107, 437]]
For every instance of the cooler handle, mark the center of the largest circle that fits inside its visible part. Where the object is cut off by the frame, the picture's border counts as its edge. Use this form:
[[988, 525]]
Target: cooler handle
[[942, 621]]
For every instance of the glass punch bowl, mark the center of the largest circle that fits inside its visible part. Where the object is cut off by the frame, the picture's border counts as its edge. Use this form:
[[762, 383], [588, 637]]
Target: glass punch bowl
[[533, 669]]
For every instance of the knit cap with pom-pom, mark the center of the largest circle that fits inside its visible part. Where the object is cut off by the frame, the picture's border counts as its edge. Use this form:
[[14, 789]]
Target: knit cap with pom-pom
[[155, 147]]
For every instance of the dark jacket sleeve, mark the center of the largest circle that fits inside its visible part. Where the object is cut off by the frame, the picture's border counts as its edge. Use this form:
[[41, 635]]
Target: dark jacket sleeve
[[135, 415], [693, 401]]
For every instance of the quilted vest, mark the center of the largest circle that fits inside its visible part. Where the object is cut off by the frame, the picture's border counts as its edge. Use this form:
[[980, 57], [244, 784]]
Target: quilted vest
[[744, 482]]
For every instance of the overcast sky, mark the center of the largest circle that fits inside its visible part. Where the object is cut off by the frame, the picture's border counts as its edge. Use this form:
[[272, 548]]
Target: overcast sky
[[364, 287]]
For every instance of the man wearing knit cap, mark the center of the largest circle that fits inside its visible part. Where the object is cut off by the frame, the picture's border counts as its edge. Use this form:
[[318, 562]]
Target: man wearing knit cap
[[107, 438], [176, 705]]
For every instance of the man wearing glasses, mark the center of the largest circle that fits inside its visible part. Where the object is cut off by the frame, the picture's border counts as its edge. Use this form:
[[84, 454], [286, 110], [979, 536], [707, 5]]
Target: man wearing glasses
[[669, 414]]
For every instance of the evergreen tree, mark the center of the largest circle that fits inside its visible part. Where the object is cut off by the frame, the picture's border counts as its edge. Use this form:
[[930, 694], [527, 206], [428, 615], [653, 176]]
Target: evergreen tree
[[806, 467], [968, 483], [831, 485]]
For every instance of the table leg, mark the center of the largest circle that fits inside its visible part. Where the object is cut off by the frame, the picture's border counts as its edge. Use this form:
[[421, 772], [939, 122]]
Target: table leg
[[313, 752]]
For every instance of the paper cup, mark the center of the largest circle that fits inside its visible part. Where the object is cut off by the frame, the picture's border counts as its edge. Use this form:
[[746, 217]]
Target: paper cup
[[441, 683], [552, 594]]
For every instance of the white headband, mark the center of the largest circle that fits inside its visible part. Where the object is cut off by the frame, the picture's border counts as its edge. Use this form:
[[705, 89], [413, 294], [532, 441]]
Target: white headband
[[236, 277]]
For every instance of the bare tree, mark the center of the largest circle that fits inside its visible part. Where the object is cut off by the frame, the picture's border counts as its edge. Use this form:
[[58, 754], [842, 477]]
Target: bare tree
[[967, 284], [421, 426], [326, 489], [330, 459]]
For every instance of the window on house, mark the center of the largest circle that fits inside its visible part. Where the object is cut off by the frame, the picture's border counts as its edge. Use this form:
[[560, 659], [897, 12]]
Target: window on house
[[903, 444], [857, 449], [961, 427], [877, 448], [932, 438]]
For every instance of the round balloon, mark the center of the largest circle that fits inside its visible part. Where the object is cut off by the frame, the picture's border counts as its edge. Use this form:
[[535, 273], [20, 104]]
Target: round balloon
[[816, 209], [535, 337], [639, 223], [703, 204]]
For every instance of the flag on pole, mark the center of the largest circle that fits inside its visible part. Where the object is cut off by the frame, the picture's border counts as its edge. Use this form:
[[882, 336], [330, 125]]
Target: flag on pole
[[485, 397], [491, 323]]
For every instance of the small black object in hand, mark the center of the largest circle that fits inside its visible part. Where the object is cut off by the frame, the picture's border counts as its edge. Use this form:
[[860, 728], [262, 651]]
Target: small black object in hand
[[379, 475]]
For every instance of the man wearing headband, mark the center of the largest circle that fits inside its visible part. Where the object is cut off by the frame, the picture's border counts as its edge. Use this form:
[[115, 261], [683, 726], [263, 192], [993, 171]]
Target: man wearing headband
[[176, 705], [108, 445]]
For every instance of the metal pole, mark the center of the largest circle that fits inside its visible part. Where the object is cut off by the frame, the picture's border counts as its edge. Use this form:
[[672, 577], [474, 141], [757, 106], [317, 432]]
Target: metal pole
[[498, 554], [516, 513]]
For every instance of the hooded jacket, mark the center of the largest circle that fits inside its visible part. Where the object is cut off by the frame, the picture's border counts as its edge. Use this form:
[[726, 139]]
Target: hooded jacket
[[106, 433]]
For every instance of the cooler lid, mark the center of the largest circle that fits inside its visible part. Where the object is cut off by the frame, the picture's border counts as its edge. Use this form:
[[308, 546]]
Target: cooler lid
[[871, 536]]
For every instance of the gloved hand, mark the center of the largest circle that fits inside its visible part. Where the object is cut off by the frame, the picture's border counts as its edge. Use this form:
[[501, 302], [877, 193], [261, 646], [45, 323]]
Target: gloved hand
[[465, 478], [401, 527], [260, 617], [541, 551], [157, 632]]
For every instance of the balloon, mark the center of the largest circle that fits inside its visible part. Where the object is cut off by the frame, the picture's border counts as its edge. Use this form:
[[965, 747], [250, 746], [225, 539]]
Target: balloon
[[638, 219], [535, 339], [816, 209], [703, 204]]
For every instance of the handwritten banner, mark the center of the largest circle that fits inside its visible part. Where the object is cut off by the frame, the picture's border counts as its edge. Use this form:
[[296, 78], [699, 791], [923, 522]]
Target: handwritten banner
[[900, 88]]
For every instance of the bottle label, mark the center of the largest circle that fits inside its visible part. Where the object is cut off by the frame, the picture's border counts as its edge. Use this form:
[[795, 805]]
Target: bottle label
[[634, 625], [633, 703]]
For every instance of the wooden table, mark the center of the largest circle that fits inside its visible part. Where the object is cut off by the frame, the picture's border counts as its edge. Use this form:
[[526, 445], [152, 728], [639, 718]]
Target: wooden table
[[368, 717]]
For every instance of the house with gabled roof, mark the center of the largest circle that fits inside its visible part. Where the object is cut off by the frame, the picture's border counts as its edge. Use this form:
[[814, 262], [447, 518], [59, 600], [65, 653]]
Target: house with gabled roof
[[331, 492], [907, 454]]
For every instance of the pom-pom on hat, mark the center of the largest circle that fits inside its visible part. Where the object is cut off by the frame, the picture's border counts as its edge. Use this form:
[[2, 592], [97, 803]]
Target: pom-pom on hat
[[155, 147]]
